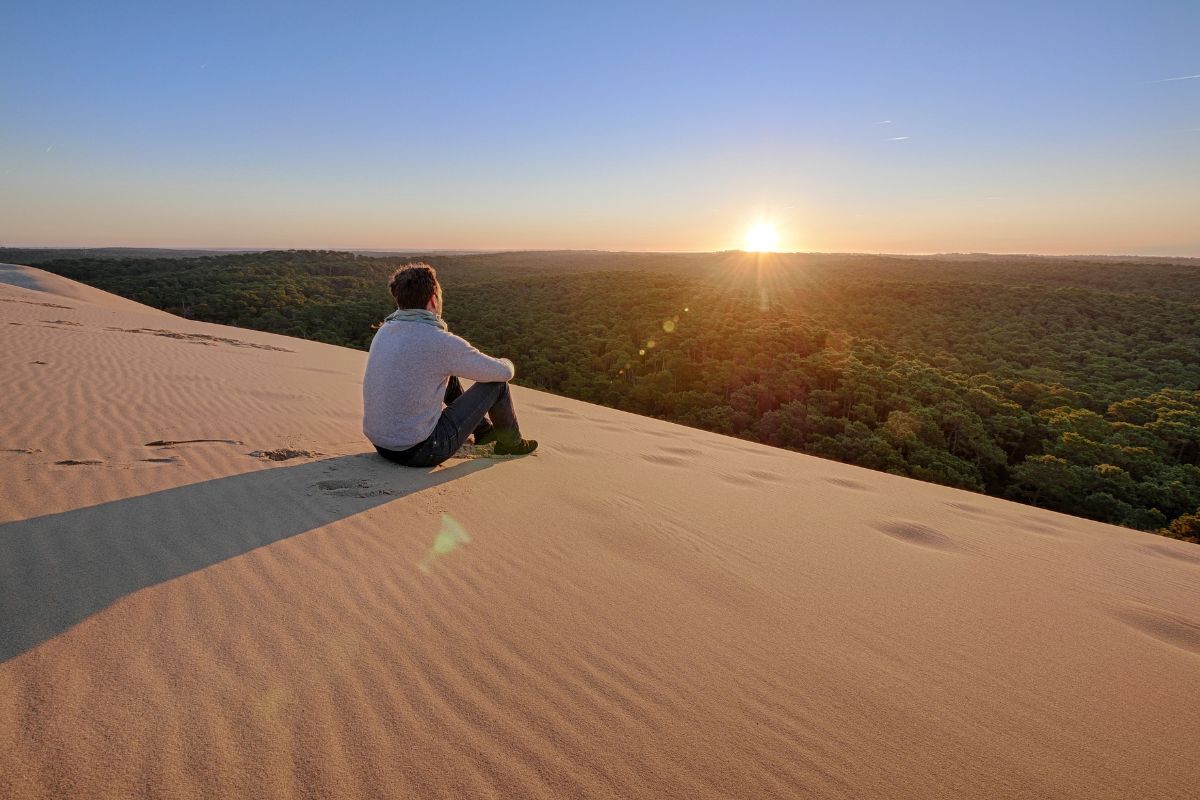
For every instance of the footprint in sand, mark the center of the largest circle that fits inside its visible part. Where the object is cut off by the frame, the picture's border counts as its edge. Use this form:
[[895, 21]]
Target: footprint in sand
[[967, 507], [170, 443], [32, 303], [199, 338], [284, 454], [349, 488], [683, 451], [666, 461], [470, 451], [79, 462], [1163, 626], [916, 533], [847, 483]]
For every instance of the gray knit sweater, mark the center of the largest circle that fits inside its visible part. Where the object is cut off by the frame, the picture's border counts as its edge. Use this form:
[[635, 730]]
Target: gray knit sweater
[[408, 368]]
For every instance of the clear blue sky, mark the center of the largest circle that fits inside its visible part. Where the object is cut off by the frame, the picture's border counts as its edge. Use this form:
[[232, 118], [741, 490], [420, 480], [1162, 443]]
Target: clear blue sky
[[1030, 127]]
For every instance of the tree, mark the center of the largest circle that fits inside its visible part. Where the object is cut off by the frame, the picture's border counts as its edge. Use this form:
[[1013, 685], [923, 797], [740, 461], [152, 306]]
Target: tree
[[1185, 528], [1044, 479]]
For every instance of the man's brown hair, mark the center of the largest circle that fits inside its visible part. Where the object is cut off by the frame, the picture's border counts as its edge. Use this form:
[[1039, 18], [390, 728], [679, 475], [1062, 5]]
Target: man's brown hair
[[413, 285]]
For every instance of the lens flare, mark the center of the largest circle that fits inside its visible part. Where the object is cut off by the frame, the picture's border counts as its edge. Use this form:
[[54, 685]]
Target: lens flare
[[448, 539]]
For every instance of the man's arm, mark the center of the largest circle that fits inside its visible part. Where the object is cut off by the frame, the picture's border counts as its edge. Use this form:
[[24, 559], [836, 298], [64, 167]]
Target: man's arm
[[467, 362]]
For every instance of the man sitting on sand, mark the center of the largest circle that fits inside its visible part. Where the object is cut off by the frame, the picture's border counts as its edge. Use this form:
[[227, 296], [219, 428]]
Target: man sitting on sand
[[413, 367]]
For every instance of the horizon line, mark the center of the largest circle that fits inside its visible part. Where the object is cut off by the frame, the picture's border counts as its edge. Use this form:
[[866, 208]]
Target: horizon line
[[489, 251]]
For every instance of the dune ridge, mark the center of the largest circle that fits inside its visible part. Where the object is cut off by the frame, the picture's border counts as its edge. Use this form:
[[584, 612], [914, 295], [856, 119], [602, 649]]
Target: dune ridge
[[637, 610]]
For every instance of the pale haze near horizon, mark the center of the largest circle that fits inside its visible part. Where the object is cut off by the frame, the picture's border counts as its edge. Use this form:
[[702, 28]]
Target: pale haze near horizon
[[928, 127]]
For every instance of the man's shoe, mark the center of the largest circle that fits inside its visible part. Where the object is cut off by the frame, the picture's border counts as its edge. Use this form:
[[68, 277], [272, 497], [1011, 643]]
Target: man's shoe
[[519, 447], [487, 437]]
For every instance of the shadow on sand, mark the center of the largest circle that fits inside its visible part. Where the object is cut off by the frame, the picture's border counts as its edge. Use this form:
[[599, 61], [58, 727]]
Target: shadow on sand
[[59, 569]]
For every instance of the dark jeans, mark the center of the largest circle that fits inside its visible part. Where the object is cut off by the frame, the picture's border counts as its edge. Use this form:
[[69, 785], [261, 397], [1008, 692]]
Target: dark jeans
[[463, 415]]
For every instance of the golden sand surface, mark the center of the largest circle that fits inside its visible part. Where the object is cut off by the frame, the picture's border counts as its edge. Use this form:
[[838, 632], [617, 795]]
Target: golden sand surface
[[211, 586]]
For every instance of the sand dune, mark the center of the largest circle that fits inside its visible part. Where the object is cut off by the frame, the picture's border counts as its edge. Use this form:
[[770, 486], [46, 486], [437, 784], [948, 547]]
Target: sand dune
[[637, 610]]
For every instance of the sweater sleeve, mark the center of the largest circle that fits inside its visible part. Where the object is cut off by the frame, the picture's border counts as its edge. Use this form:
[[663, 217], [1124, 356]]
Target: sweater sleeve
[[468, 362]]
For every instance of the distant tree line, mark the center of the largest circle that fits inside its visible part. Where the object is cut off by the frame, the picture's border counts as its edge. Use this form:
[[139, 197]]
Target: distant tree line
[[1076, 390]]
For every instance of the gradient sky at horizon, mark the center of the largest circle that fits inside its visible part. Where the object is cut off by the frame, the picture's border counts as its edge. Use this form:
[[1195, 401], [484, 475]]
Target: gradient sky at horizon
[[867, 127]]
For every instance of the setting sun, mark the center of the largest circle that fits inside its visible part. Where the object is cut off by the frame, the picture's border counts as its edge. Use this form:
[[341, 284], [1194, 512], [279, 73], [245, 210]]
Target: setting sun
[[762, 238]]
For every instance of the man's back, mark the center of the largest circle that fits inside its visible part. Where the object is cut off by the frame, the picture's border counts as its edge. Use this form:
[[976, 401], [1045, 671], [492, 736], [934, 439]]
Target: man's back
[[408, 368]]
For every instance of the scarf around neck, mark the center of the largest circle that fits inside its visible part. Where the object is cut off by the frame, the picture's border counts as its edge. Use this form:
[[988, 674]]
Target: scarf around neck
[[422, 315]]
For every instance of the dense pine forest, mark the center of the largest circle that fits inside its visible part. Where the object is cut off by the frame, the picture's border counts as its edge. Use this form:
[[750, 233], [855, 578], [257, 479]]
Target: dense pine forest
[[1072, 384]]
